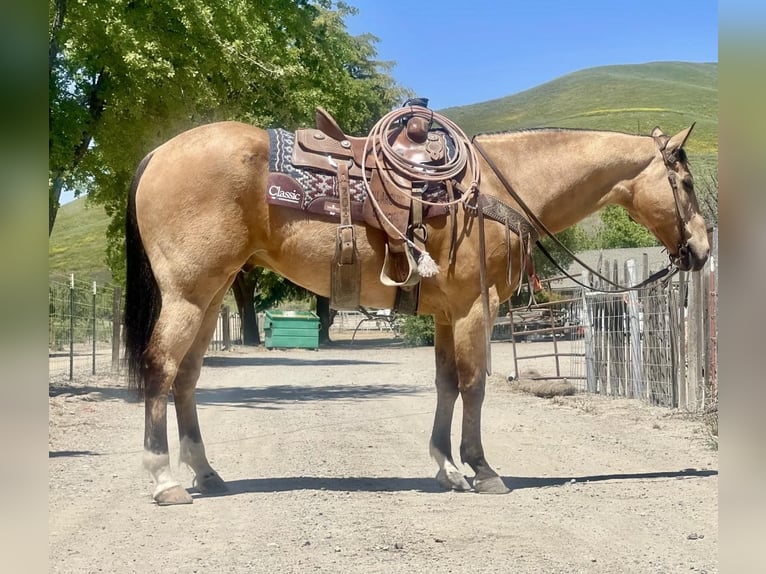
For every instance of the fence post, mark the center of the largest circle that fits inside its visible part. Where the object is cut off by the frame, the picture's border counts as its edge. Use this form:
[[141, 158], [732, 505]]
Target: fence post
[[226, 328], [513, 343], [714, 318], [116, 322], [682, 377], [71, 326], [590, 373], [637, 370], [93, 331], [696, 348]]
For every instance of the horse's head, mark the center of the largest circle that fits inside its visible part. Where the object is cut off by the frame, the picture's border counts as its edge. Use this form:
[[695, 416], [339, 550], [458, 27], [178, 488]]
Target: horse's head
[[663, 200]]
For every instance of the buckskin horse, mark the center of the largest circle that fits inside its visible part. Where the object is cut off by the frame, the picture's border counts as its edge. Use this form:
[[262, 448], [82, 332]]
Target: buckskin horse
[[199, 212]]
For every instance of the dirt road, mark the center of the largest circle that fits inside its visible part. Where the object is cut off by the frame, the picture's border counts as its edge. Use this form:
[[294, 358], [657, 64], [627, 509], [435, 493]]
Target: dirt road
[[326, 457]]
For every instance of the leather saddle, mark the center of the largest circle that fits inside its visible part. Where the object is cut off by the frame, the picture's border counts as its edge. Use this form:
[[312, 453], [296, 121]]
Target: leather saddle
[[327, 148]]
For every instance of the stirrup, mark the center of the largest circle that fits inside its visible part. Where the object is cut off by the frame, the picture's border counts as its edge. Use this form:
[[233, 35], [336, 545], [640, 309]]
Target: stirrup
[[412, 278]]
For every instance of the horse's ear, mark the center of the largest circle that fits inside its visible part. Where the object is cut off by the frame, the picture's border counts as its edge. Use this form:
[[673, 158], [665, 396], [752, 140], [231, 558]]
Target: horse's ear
[[678, 140], [657, 132]]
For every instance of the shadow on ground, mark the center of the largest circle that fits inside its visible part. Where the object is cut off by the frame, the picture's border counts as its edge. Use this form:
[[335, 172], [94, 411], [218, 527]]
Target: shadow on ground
[[273, 395], [277, 360], [423, 484]]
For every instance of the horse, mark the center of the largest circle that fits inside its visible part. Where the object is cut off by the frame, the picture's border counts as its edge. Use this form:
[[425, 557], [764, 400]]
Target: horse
[[198, 213]]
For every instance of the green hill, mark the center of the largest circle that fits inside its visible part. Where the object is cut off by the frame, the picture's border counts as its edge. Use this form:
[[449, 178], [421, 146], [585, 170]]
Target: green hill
[[78, 242], [629, 98]]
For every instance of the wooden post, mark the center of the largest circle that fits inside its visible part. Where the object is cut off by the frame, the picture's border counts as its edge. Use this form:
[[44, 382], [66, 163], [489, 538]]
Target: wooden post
[[116, 323], [714, 318], [683, 287], [645, 266], [226, 328], [695, 340], [637, 370]]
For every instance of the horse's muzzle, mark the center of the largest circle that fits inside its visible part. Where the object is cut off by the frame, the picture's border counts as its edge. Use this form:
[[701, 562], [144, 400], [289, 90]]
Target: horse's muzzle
[[690, 259]]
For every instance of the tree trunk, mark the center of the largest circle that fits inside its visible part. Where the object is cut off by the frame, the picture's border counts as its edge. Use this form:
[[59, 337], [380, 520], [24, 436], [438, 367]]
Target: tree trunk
[[54, 195], [244, 294], [326, 317]]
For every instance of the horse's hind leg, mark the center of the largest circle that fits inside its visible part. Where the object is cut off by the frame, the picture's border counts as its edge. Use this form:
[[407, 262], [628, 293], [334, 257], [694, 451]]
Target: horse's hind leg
[[449, 476], [192, 450], [175, 331]]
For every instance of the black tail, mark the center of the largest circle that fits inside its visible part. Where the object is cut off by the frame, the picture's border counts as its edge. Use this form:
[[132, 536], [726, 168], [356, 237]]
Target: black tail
[[142, 294]]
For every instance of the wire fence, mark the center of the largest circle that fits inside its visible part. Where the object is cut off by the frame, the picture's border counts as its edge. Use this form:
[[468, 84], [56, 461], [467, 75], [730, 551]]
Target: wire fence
[[83, 327], [657, 344]]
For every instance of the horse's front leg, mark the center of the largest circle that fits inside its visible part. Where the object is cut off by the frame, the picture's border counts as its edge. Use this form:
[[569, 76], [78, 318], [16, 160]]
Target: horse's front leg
[[471, 359], [449, 476]]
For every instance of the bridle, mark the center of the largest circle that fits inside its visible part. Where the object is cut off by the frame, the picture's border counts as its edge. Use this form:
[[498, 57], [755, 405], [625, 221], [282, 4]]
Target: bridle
[[670, 159]]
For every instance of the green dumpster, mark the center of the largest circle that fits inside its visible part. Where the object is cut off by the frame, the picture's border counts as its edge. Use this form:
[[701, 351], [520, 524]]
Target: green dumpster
[[291, 329]]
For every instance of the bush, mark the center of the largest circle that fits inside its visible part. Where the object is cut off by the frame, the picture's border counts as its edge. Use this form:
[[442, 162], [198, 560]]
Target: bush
[[418, 330]]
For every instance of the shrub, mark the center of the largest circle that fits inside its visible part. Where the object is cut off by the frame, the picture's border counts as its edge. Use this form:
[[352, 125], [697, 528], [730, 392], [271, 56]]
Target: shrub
[[418, 330]]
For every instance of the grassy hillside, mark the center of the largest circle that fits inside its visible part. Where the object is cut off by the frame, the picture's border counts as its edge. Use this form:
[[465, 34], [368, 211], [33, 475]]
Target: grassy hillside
[[78, 242], [630, 98]]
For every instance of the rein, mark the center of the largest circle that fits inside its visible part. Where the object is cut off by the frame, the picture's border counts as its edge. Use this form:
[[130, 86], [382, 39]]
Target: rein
[[670, 269]]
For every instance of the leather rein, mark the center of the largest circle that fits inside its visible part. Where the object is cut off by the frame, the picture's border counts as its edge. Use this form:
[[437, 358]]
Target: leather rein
[[666, 273]]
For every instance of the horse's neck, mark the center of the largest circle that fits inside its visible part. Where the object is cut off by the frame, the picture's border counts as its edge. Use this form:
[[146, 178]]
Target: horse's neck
[[565, 175]]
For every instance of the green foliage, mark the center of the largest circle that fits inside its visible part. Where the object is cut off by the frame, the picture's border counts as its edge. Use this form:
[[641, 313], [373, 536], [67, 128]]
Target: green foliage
[[126, 75], [620, 231], [272, 289], [574, 238], [418, 330]]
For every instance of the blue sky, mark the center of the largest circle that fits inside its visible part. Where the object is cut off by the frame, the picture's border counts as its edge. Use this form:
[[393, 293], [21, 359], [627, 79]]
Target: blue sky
[[469, 51]]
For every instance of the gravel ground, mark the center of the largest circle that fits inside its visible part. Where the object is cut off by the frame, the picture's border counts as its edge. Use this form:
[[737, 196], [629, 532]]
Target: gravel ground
[[326, 457]]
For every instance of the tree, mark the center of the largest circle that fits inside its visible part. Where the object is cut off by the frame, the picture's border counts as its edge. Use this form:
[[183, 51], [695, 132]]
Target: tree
[[618, 230], [574, 238], [126, 75]]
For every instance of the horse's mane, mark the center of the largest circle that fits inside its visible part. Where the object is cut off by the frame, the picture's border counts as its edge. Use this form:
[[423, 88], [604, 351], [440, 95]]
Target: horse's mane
[[553, 129]]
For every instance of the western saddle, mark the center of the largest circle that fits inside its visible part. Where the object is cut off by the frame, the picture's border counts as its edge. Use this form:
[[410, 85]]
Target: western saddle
[[401, 159]]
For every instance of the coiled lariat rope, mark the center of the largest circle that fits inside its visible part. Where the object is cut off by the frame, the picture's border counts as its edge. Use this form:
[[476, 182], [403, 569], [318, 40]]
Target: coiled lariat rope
[[386, 158]]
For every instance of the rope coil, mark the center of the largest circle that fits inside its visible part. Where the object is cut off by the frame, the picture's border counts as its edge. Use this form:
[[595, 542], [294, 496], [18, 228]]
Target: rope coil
[[386, 158]]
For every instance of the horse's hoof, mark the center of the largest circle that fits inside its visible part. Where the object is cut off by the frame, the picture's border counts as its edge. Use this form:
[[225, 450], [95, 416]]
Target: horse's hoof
[[452, 480], [492, 485], [210, 483], [173, 495]]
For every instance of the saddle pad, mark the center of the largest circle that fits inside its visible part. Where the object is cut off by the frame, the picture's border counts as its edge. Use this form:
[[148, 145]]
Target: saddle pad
[[304, 189]]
